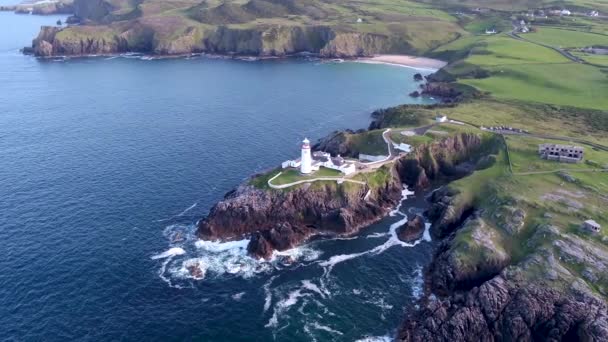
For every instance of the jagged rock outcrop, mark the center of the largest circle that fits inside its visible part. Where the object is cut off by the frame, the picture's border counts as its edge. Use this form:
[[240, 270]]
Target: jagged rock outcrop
[[469, 259], [444, 159], [279, 220], [337, 143], [412, 230], [508, 309]]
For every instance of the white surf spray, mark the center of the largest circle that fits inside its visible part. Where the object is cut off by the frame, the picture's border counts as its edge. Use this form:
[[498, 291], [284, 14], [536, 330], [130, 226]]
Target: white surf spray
[[169, 253], [385, 338], [187, 209], [268, 293], [417, 283], [319, 326], [238, 296], [306, 289], [393, 240]]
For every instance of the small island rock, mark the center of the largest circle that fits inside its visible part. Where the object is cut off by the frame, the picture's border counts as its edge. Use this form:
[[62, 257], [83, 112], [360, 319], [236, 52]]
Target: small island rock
[[412, 230]]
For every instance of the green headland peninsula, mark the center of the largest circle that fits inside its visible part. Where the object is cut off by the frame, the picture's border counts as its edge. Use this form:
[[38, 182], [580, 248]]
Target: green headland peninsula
[[516, 155]]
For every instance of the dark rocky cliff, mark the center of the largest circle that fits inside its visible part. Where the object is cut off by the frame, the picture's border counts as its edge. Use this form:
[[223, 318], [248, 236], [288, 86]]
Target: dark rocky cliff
[[264, 41], [279, 220]]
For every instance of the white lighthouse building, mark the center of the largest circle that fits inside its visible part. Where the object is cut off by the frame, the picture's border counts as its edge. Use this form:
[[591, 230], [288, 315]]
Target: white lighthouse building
[[306, 159]]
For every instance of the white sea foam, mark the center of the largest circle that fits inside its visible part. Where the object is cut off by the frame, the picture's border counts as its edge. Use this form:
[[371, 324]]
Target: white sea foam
[[217, 246], [376, 235], [301, 253], [169, 253], [187, 210], [268, 293], [385, 338], [393, 240], [283, 305], [238, 296], [319, 326], [417, 283], [426, 236], [308, 285], [404, 195]]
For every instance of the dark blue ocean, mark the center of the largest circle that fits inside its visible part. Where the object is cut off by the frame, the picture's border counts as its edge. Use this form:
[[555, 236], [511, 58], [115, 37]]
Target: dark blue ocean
[[104, 160]]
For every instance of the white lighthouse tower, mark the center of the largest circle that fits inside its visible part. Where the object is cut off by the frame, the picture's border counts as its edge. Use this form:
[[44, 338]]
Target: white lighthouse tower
[[306, 160]]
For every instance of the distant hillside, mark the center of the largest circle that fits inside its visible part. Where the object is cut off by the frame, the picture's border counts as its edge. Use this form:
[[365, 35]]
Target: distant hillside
[[332, 28]]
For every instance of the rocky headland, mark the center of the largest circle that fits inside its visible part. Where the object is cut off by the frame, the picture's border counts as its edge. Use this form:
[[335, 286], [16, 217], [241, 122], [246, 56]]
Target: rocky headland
[[283, 219]]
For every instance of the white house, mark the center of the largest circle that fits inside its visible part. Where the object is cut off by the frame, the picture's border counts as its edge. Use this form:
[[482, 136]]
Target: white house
[[565, 12], [441, 118], [592, 226], [490, 31], [594, 13], [324, 159], [359, 20], [403, 147], [291, 163], [310, 162]]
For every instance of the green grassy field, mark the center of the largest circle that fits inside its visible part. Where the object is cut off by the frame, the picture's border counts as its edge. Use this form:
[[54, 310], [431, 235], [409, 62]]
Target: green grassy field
[[569, 84], [292, 175], [566, 38], [524, 156], [503, 50]]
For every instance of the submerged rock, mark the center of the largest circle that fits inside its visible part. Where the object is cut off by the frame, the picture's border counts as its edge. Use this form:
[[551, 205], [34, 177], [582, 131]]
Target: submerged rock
[[195, 271]]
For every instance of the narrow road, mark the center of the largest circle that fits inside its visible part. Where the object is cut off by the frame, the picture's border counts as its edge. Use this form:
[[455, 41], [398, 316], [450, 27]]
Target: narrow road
[[564, 53], [337, 179]]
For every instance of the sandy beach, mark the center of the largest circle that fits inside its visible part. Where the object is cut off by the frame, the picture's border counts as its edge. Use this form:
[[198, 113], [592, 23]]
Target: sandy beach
[[407, 61]]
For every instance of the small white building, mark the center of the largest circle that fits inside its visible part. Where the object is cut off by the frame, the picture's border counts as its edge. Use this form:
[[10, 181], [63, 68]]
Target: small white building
[[324, 159], [403, 147], [594, 13], [291, 163], [592, 226], [565, 12], [359, 20], [441, 118], [490, 31], [310, 162]]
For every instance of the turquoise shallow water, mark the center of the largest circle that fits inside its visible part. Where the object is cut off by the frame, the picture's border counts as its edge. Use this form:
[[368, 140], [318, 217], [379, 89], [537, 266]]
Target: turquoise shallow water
[[104, 160]]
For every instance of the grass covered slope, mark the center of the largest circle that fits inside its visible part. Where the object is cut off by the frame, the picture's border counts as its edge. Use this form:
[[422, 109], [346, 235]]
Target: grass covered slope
[[254, 27], [509, 68]]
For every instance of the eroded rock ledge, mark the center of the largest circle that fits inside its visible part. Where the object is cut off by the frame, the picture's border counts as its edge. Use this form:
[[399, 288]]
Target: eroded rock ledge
[[474, 291]]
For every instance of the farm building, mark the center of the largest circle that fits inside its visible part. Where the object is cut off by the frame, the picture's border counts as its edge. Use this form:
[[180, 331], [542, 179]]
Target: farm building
[[561, 153], [592, 226]]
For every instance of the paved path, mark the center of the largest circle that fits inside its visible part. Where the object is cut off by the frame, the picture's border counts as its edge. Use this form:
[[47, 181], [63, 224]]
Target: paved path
[[368, 167], [337, 179]]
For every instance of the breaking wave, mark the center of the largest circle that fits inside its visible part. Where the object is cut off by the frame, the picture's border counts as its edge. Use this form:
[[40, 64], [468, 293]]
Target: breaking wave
[[169, 253]]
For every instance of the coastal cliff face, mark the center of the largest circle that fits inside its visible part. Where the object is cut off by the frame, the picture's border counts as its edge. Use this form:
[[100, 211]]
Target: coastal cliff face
[[279, 220], [481, 298], [146, 38], [507, 308]]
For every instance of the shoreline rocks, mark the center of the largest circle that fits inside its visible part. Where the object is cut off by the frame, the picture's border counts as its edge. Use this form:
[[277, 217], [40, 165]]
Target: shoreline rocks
[[412, 230]]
